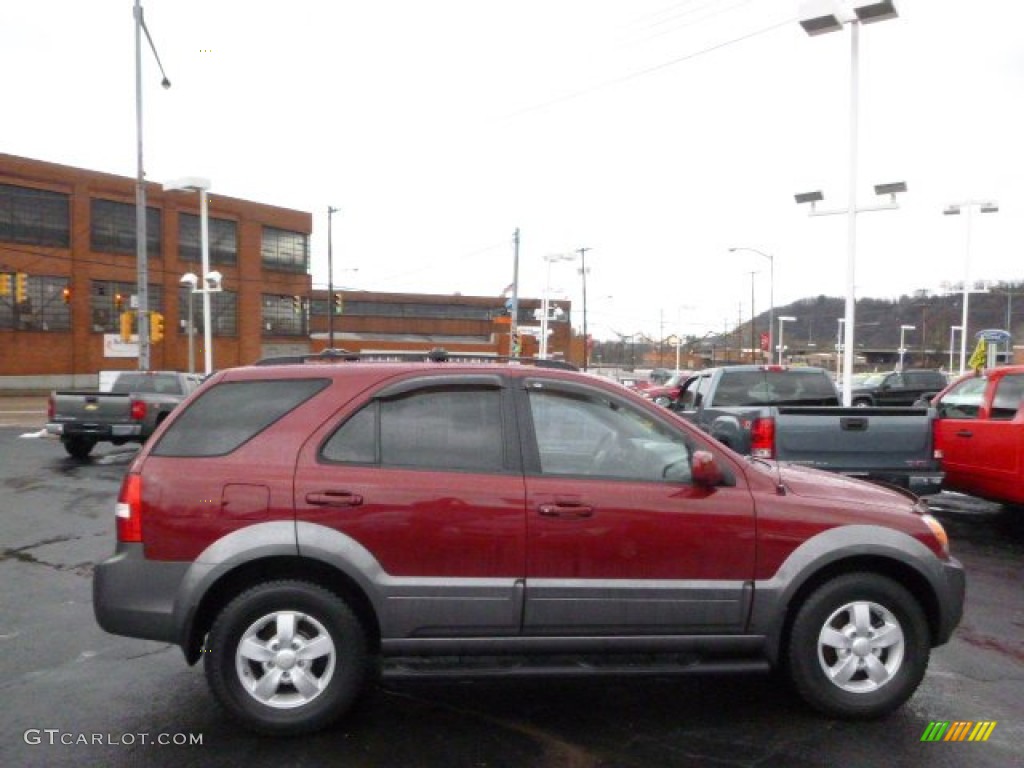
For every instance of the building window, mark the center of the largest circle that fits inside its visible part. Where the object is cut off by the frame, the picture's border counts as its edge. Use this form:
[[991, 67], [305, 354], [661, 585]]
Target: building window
[[284, 250], [34, 216], [283, 316], [223, 240], [108, 299], [113, 228], [223, 310], [43, 308], [453, 311]]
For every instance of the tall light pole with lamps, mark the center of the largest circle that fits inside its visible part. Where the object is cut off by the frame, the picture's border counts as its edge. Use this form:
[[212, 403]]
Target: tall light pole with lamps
[[211, 280], [903, 330], [954, 209], [819, 17], [141, 261], [782, 321], [771, 292], [546, 301]]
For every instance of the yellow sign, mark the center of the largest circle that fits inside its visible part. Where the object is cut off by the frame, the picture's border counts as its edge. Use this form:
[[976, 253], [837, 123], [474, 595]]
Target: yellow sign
[[978, 357]]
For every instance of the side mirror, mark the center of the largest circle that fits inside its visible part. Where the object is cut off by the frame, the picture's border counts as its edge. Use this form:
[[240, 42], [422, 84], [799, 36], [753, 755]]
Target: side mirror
[[705, 471]]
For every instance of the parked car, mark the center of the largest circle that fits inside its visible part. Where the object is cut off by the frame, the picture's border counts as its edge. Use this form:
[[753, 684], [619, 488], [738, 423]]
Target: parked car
[[666, 394], [305, 528], [793, 414], [898, 387], [128, 413], [980, 431]]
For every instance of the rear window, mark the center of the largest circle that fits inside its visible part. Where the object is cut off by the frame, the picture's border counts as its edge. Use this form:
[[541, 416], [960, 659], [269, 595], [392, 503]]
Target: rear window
[[151, 383], [785, 387], [229, 414]]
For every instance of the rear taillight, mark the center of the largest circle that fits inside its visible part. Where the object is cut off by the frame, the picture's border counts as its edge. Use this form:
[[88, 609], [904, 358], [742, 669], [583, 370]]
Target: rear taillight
[[138, 412], [129, 509], [762, 438]]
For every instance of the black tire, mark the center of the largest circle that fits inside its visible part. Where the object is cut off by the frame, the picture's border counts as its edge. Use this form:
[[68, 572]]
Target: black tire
[[859, 646], [862, 403], [303, 689], [79, 447]]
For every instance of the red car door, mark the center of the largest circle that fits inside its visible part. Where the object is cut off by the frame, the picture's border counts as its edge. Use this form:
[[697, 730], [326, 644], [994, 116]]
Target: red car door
[[422, 485], [980, 431], [618, 539]]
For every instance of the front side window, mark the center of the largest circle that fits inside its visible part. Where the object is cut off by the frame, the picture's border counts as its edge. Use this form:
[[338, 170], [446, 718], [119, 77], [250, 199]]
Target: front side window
[[595, 435], [964, 400], [450, 428], [1009, 392]]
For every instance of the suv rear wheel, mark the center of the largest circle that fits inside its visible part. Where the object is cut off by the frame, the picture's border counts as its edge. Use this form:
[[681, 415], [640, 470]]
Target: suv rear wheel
[[859, 646], [286, 657]]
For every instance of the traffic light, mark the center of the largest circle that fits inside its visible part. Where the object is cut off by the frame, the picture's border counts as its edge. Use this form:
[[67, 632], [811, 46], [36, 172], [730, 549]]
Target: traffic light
[[118, 302], [337, 303], [66, 294], [20, 288], [127, 321], [297, 305], [5, 284], [156, 327]]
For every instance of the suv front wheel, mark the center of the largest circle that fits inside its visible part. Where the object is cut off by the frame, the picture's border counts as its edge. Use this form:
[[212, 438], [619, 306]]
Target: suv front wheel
[[286, 657], [859, 646]]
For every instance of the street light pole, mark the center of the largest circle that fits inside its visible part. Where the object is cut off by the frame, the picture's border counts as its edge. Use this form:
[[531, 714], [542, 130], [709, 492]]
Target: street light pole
[[141, 261], [211, 280], [952, 335], [330, 279], [954, 210], [904, 329], [190, 280], [865, 12], [782, 321], [583, 271]]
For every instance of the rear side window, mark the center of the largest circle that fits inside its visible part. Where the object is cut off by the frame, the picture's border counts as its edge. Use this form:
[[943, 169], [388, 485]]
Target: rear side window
[[142, 383], [458, 428], [229, 414]]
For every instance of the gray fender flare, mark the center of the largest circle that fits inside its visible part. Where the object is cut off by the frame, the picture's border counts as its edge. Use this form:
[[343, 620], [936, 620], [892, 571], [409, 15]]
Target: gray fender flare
[[773, 597]]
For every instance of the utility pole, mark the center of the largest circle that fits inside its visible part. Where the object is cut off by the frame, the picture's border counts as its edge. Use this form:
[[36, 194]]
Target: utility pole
[[330, 279], [753, 346], [583, 271], [513, 327]]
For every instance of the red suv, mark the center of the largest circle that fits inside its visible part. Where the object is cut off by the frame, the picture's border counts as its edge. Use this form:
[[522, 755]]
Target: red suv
[[305, 528]]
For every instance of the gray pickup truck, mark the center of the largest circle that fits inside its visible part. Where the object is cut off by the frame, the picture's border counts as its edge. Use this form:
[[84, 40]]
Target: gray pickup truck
[[136, 404], [793, 414]]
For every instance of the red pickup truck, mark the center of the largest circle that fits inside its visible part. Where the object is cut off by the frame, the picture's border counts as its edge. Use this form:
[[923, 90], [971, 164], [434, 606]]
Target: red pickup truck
[[980, 431]]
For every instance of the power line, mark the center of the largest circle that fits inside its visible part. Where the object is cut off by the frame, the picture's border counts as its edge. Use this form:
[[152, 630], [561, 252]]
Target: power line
[[652, 69]]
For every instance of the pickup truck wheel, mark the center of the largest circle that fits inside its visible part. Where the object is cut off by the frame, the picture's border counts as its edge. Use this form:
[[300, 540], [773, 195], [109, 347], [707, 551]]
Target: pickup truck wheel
[[79, 447], [859, 646], [862, 403], [287, 657]]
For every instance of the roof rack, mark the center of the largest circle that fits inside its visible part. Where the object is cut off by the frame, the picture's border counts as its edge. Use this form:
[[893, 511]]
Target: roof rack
[[435, 355]]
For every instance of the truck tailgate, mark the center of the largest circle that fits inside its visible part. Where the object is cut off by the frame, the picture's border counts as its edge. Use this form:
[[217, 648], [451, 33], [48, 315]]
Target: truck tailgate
[[853, 440]]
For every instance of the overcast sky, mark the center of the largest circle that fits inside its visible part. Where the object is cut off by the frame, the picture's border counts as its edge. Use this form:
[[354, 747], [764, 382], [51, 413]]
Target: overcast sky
[[656, 133]]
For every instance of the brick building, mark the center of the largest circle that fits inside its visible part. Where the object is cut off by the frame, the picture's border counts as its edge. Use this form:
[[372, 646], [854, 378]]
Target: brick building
[[68, 270]]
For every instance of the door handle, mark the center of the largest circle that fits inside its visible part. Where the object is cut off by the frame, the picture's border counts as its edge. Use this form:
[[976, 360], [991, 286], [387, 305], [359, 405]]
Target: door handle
[[965, 433], [572, 511], [334, 499]]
